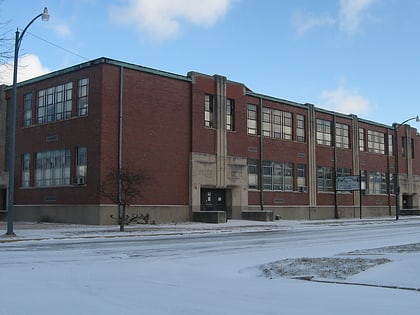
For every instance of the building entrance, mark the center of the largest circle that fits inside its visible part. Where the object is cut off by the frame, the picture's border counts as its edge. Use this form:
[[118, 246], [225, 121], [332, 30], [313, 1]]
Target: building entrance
[[213, 200], [407, 201]]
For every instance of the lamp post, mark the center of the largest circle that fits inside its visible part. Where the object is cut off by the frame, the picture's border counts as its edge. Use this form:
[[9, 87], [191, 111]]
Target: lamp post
[[397, 188], [12, 125]]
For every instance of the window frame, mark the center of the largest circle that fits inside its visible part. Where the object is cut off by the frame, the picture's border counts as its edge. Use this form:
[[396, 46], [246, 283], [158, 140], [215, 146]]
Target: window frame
[[278, 176], [230, 114], [323, 132], [83, 97], [252, 119], [300, 128], [253, 173], [277, 124], [26, 170], [27, 109], [325, 182], [376, 142], [55, 103], [342, 136], [209, 111], [362, 140], [52, 168]]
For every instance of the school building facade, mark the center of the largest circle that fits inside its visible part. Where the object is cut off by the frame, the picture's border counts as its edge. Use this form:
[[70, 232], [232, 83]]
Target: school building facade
[[208, 145]]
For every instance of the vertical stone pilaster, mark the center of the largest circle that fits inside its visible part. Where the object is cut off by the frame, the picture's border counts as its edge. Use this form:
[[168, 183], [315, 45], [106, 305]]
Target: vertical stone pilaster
[[312, 168], [355, 154], [221, 142], [409, 160]]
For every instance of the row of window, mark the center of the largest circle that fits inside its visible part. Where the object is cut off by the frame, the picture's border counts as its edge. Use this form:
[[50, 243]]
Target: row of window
[[276, 123], [276, 175], [52, 168], [56, 103], [279, 176], [279, 124]]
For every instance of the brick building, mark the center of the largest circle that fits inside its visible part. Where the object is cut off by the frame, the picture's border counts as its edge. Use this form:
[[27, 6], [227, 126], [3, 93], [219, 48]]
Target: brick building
[[205, 143]]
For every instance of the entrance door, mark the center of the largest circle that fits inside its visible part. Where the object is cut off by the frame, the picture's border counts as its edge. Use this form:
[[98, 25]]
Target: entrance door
[[213, 200], [407, 201]]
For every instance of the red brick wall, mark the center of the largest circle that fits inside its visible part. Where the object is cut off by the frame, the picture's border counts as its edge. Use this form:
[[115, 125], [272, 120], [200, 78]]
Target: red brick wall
[[157, 135], [156, 119], [78, 131]]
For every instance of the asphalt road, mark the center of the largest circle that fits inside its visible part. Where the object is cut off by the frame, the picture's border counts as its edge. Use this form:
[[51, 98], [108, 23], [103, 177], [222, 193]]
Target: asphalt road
[[365, 235]]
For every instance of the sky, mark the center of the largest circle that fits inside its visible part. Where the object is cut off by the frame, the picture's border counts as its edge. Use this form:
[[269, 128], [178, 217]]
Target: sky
[[351, 56]]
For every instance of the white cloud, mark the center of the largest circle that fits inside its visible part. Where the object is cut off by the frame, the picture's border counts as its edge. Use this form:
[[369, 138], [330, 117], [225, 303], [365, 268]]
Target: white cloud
[[161, 19], [62, 29], [29, 67], [304, 22], [345, 101], [352, 12]]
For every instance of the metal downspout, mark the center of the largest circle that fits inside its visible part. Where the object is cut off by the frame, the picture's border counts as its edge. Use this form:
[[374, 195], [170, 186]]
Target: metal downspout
[[261, 155], [120, 137]]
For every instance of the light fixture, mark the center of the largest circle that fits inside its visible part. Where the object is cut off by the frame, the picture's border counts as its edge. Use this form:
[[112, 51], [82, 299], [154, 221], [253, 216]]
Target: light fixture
[[45, 16]]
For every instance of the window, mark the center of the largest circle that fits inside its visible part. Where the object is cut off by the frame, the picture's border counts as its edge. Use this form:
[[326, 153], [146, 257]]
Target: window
[[323, 132], [277, 124], [27, 110], [412, 148], [362, 142], [376, 142], [391, 182], [301, 177], [83, 95], [390, 145], [52, 168], [300, 128], [230, 110], [406, 143], [81, 169], [325, 179], [277, 176], [342, 136], [404, 147], [54, 103], [363, 185], [209, 114], [253, 174], [377, 183], [252, 119], [26, 170], [63, 99], [341, 172]]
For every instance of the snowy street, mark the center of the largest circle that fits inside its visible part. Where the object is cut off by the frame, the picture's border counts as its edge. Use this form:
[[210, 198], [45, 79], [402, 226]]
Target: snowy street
[[215, 269]]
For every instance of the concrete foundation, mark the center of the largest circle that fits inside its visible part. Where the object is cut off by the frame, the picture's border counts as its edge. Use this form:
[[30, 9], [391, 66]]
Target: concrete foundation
[[265, 216], [209, 216]]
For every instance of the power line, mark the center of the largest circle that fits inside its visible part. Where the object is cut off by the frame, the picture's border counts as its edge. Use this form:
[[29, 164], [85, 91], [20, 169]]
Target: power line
[[57, 46]]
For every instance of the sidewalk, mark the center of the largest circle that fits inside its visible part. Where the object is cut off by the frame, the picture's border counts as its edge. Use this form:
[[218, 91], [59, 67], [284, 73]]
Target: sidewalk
[[30, 231], [26, 231]]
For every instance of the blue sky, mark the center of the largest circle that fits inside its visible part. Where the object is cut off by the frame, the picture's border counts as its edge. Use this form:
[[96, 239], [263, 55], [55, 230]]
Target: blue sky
[[351, 56]]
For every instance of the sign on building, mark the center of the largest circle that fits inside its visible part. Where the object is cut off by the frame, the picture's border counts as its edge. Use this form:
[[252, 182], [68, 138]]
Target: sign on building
[[348, 183]]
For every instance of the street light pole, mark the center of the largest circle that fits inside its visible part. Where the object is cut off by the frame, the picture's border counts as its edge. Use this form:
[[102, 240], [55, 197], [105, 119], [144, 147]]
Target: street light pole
[[12, 124], [397, 151]]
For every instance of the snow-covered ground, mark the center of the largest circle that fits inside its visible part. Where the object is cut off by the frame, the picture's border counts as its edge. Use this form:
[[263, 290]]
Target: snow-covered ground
[[242, 267]]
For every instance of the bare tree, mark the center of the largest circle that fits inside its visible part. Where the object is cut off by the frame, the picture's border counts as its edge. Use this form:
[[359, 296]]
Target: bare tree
[[6, 41], [121, 187]]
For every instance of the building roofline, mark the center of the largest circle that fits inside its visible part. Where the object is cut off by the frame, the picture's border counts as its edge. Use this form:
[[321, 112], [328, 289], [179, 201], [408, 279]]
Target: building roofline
[[317, 109], [98, 61], [275, 99], [187, 78]]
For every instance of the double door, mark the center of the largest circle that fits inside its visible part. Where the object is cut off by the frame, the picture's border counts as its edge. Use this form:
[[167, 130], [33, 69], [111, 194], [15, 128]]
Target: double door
[[213, 200]]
